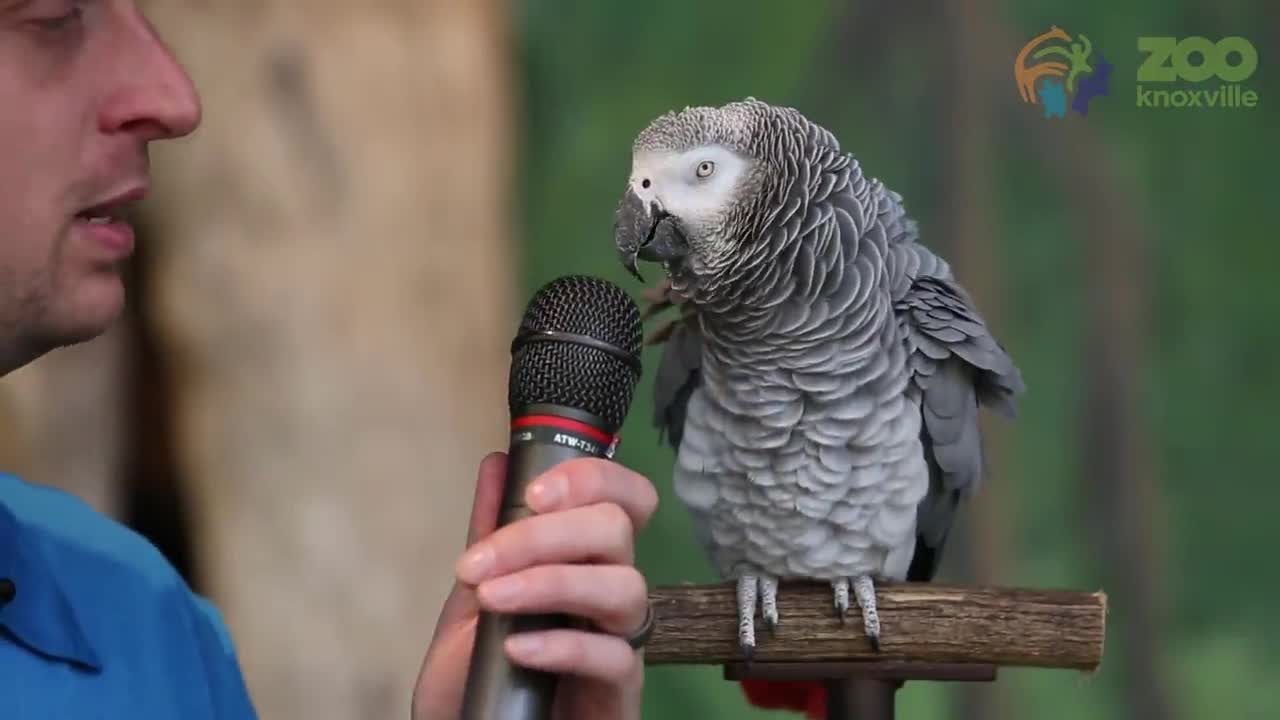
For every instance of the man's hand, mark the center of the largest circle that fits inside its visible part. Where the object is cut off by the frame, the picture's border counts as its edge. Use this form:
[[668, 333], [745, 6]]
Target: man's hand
[[573, 556]]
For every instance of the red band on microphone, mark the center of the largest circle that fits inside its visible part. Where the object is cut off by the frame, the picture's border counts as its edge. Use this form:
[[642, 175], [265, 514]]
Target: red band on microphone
[[563, 423]]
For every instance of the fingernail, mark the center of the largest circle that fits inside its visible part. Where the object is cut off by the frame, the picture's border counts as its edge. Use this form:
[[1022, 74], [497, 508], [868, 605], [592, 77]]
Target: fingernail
[[475, 564], [546, 492], [501, 591], [524, 644]]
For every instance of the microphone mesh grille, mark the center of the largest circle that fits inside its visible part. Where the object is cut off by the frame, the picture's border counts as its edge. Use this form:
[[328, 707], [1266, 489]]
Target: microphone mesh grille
[[563, 372]]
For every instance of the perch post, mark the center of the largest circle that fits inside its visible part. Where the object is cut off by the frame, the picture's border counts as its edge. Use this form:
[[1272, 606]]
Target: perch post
[[928, 632]]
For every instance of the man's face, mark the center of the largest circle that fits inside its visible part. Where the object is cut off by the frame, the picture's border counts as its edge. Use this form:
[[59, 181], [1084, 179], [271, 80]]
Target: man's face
[[84, 87]]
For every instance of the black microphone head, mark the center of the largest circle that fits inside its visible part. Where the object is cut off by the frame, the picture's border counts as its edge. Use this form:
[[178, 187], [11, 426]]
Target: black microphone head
[[578, 347]]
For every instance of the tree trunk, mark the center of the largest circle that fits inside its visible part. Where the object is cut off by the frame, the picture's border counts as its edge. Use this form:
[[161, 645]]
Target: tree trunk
[[1123, 511], [332, 287], [1123, 508], [967, 62]]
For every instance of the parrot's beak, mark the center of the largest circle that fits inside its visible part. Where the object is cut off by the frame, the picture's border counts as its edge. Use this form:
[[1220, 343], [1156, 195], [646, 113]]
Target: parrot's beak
[[644, 231]]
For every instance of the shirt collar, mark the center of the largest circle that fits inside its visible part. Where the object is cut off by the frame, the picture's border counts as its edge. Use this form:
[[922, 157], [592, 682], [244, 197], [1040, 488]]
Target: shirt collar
[[40, 616]]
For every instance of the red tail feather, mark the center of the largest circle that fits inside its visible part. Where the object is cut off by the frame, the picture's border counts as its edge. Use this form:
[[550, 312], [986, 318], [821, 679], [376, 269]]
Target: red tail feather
[[808, 697]]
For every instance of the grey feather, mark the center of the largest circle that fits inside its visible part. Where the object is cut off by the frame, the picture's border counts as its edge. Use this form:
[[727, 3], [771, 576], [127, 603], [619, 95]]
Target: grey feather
[[956, 366], [677, 377], [823, 394]]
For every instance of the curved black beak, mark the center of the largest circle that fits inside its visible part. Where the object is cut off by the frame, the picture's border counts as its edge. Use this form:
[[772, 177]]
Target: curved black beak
[[644, 231]]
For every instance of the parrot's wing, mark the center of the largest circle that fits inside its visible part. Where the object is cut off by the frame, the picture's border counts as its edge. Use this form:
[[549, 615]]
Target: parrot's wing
[[677, 377], [678, 372], [957, 366]]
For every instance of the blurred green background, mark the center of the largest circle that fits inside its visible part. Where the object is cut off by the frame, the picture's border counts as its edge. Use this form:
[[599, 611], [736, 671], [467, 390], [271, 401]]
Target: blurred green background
[[1126, 259]]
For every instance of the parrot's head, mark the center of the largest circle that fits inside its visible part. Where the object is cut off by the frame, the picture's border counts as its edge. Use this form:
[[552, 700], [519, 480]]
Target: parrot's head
[[698, 180]]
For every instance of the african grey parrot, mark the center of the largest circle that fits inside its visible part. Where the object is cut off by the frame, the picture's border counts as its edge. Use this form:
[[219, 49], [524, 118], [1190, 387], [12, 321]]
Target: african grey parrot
[[821, 384]]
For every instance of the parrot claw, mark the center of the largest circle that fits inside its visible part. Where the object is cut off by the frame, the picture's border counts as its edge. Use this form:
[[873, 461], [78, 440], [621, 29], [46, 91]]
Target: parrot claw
[[865, 592], [769, 602], [841, 588], [751, 587], [746, 614]]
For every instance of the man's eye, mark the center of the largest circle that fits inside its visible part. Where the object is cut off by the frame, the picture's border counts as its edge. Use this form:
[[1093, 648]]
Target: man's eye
[[61, 22]]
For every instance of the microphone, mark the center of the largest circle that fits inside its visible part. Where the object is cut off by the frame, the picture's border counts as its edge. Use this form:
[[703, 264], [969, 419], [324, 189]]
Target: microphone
[[575, 362]]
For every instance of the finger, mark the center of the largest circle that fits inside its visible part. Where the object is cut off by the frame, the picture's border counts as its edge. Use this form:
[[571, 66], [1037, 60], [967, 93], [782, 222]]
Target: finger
[[487, 501], [587, 481], [461, 601], [614, 597], [574, 652], [596, 533]]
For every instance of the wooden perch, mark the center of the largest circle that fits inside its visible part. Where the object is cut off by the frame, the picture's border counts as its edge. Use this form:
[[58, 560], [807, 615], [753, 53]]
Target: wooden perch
[[920, 623]]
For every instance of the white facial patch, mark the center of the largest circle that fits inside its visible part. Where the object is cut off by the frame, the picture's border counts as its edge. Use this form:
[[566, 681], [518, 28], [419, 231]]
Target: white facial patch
[[695, 186]]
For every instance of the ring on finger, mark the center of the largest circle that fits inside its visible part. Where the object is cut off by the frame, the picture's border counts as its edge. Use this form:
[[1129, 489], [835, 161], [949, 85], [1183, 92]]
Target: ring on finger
[[637, 638], [640, 636]]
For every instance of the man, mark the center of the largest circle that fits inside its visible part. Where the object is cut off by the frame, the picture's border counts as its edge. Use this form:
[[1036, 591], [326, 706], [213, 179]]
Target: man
[[93, 621]]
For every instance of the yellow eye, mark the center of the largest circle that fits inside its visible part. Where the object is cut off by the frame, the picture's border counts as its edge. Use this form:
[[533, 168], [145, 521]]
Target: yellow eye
[[705, 168]]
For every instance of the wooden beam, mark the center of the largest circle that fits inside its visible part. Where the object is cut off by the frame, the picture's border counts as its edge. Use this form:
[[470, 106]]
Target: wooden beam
[[696, 624]]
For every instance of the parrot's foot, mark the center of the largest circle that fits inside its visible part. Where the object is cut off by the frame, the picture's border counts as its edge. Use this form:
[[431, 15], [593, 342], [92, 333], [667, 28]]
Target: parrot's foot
[[749, 588], [841, 588], [865, 592], [769, 601]]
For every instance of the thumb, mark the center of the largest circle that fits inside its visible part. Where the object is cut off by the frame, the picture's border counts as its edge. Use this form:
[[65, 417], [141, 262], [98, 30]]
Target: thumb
[[488, 497], [484, 520]]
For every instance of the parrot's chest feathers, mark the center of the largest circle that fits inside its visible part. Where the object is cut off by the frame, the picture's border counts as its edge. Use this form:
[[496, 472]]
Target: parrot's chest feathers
[[832, 405], [808, 448], [839, 384]]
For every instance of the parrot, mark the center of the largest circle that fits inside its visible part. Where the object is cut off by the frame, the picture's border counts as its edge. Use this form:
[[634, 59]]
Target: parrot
[[821, 381]]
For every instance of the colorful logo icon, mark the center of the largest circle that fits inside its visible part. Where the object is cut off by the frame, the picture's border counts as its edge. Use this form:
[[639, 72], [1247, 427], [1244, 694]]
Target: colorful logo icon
[[1069, 73]]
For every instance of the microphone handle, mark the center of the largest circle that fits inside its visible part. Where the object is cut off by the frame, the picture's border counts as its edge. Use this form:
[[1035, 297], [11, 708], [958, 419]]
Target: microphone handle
[[497, 688]]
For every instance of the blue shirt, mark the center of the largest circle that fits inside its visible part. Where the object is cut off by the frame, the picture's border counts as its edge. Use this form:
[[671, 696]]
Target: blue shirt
[[99, 625]]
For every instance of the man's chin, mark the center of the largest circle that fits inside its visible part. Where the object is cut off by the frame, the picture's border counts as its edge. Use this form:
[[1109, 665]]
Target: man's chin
[[95, 306], [71, 315]]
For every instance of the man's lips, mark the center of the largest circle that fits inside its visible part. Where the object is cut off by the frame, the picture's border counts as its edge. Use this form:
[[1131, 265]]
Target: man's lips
[[105, 221], [114, 205]]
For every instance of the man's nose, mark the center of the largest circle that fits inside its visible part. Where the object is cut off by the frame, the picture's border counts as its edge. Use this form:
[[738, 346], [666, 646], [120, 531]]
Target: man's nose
[[154, 98]]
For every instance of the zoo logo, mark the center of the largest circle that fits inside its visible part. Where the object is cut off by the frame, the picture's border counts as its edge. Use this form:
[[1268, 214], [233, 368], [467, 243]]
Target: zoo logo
[[1087, 73], [1232, 60]]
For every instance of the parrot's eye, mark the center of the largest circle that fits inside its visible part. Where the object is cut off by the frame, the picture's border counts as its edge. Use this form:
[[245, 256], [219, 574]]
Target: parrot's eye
[[705, 168]]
